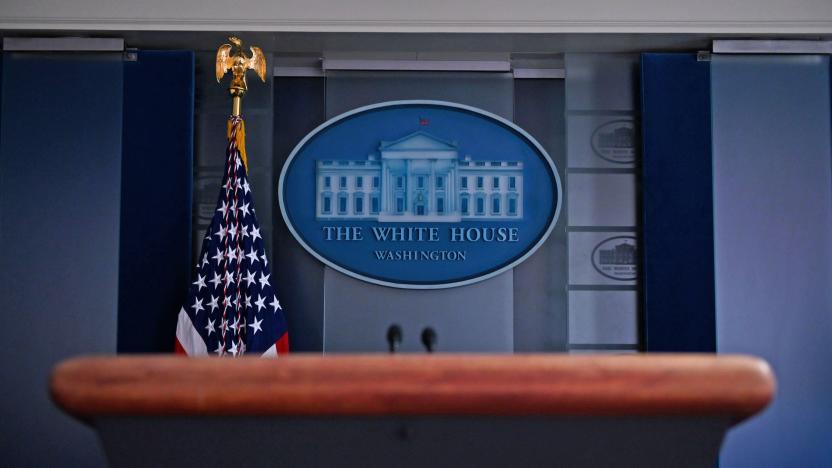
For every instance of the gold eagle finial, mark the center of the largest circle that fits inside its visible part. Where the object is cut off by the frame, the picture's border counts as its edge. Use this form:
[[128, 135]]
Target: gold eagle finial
[[239, 64]]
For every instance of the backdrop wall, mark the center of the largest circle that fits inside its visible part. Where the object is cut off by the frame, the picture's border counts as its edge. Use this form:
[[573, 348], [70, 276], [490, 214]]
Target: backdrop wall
[[60, 170], [772, 159]]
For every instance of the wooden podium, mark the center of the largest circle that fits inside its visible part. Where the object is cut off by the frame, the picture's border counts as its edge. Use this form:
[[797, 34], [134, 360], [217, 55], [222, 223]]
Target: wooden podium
[[414, 411]]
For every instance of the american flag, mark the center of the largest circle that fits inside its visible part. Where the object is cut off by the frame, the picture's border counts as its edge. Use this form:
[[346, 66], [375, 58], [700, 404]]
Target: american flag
[[232, 307]]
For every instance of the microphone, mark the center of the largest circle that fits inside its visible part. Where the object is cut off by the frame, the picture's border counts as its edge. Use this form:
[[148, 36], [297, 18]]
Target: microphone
[[429, 339], [394, 337]]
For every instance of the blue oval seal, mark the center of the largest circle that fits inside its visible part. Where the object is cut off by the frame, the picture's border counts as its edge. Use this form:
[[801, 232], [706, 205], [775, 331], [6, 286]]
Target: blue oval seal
[[420, 194]]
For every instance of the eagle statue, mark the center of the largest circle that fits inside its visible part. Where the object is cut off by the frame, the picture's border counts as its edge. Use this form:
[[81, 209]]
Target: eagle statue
[[239, 63]]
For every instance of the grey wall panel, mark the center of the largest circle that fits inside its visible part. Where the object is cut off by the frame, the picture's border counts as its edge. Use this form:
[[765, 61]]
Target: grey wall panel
[[347, 90], [540, 319], [603, 200], [466, 319], [298, 109], [773, 246], [603, 317], [602, 82], [60, 165], [540, 312]]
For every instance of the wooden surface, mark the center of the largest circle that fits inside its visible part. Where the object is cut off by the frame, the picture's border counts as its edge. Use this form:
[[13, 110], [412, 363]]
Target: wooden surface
[[363, 385]]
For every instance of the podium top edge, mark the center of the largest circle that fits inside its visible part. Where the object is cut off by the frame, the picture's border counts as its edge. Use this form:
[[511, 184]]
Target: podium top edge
[[550, 385]]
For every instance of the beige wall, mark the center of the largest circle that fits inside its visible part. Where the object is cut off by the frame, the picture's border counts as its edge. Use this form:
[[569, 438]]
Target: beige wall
[[531, 16]]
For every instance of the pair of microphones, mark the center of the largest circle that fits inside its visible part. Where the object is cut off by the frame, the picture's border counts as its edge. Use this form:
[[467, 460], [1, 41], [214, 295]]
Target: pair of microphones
[[394, 338]]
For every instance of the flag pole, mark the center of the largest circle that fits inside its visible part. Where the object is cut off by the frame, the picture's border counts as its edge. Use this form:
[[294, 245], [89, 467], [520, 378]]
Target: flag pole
[[232, 329], [231, 57]]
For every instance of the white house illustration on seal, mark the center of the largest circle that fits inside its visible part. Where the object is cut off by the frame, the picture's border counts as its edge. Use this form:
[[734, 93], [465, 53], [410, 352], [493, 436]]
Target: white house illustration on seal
[[419, 178]]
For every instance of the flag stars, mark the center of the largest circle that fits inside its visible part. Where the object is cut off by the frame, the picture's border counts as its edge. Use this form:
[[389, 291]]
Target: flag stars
[[264, 280], [275, 304], [222, 231], [223, 209], [230, 186], [260, 302], [246, 187], [233, 349], [244, 209], [219, 256], [210, 327], [200, 282], [255, 233], [197, 306], [250, 278], [232, 231], [256, 325], [252, 256], [231, 254], [216, 280], [213, 304]]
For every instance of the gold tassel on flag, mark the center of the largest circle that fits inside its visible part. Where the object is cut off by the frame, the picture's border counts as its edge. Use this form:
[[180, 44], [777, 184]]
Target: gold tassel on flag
[[240, 137]]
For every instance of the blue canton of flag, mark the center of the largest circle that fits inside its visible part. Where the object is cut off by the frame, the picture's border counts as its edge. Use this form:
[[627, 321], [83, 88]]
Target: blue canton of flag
[[232, 307]]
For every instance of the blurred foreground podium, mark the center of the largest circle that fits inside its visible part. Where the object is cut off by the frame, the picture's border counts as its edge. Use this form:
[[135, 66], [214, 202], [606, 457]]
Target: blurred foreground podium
[[414, 411]]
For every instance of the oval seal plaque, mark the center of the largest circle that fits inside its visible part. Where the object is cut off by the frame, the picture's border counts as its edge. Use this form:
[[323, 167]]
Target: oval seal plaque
[[616, 258], [615, 141], [420, 194]]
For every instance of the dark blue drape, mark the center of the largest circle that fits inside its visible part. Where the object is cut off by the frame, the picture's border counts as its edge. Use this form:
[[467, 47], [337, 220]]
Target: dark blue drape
[[156, 186], [678, 243]]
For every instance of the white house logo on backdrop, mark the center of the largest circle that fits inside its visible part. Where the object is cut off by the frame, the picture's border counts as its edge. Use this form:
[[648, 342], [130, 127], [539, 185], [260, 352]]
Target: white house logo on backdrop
[[420, 194], [615, 141], [616, 258], [419, 178]]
